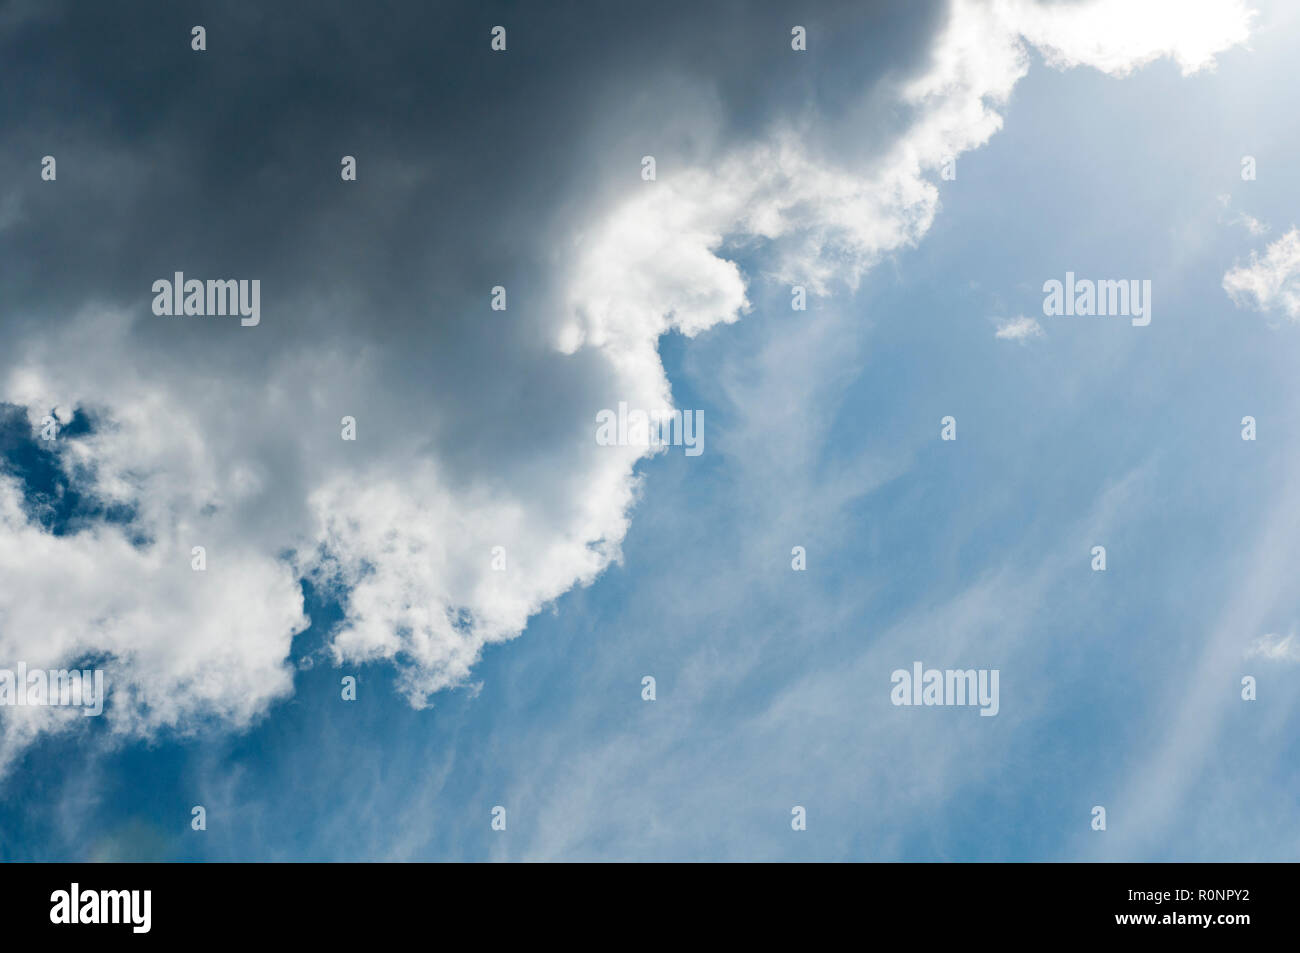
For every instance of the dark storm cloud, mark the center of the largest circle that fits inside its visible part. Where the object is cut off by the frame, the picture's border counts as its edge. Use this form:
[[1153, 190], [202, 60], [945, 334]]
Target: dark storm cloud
[[474, 167], [226, 162]]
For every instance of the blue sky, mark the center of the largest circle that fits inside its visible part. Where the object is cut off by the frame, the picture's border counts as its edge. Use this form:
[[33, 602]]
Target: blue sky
[[1118, 688]]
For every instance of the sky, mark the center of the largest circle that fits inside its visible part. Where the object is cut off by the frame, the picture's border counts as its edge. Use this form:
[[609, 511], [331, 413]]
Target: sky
[[921, 171]]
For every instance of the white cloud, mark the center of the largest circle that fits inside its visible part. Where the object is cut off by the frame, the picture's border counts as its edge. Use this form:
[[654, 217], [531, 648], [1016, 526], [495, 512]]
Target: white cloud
[[1252, 224], [1119, 36], [239, 451], [1270, 282], [179, 645], [1276, 648], [1019, 329], [1247, 221]]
